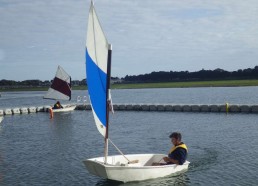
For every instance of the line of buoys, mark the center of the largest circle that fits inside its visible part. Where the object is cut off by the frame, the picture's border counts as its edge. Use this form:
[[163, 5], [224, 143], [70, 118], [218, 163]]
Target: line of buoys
[[222, 108], [24, 110]]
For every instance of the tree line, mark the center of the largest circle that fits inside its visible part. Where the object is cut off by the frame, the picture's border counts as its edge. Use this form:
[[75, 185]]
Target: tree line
[[202, 75], [34, 83], [161, 76]]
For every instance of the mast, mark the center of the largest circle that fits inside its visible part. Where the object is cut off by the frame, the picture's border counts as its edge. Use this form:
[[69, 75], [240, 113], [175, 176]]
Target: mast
[[70, 86], [108, 98]]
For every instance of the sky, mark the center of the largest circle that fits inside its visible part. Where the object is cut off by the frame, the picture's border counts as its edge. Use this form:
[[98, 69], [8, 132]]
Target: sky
[[146, 35]]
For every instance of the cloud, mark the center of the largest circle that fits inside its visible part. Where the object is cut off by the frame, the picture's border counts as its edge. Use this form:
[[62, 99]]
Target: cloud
[[146, 35]]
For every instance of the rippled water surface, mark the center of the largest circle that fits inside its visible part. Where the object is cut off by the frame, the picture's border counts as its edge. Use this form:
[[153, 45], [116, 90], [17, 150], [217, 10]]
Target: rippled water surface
[[36, 150]]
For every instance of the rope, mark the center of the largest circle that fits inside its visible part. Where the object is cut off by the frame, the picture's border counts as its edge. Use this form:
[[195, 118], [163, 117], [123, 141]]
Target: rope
[[119, 150]]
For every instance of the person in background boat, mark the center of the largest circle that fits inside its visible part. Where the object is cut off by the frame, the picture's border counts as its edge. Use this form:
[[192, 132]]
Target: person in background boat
[[57, 105], [178, 153]]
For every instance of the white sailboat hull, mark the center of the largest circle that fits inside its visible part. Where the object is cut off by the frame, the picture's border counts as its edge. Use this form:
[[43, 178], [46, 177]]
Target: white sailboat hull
[[66, 108], [117, 167]]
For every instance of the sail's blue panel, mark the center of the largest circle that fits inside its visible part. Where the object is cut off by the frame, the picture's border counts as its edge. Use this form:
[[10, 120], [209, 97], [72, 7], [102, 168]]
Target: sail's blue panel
[[96, 80]]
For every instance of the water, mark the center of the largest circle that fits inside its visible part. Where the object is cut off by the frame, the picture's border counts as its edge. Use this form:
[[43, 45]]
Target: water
[[36, 150], [210, 95]]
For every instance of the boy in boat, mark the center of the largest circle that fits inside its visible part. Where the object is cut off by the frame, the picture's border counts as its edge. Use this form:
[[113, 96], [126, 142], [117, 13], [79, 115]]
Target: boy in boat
[[178, 153], [57, 105]]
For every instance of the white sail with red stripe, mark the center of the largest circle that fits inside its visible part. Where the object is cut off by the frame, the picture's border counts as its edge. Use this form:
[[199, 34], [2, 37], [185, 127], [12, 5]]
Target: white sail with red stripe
[[61, 86]]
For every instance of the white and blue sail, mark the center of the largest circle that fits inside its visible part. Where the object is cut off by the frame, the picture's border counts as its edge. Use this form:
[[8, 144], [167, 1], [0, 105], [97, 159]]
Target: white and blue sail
[[97, 70]]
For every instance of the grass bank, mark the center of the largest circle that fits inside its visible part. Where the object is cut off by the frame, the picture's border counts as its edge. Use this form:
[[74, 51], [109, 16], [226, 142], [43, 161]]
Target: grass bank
[[226, 83]]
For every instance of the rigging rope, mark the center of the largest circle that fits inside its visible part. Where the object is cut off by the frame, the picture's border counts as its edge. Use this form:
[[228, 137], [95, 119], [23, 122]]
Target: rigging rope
[[133, 161], [119, 150]]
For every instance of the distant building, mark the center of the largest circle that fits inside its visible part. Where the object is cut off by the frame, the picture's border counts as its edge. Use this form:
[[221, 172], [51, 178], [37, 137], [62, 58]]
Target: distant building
[[115, 80]]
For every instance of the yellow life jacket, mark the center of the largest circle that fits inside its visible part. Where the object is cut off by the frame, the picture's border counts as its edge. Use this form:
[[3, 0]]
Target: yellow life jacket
[[175, 147], [57, 105]]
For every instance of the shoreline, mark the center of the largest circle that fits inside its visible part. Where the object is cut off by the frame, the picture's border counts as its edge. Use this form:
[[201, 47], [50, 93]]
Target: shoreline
[[190, 84]]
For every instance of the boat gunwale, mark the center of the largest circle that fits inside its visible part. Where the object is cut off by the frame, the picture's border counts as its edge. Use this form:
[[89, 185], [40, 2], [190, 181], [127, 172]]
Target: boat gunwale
[[127, 166]]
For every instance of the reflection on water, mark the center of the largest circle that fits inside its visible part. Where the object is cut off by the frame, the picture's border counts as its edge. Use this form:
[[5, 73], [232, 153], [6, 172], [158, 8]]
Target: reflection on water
[[1, 164], [204, 158], [180, 179]]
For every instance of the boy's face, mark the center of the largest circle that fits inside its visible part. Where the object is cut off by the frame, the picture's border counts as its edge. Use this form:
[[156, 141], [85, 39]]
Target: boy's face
[[175, 141]]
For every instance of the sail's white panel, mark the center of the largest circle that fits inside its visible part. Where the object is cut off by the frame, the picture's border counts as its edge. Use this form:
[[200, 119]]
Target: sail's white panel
[[53, 94], [101, 128], [96, 43], [61, 74]]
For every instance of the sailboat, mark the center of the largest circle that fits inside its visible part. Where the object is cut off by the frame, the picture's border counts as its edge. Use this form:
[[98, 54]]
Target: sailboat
[[1, 118], [60, 89], [124, 168]]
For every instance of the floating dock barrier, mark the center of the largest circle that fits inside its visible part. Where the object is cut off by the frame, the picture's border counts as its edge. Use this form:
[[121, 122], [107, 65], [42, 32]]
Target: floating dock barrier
[[40, 109], [8, 112], [32, 109], [215, 108], [24, 110], [16, 111], [224, 108]]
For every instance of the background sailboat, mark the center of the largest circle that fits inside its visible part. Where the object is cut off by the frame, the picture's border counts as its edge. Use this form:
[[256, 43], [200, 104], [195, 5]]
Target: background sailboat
[[125, 168], [60, 89]]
